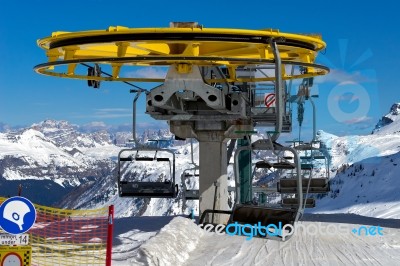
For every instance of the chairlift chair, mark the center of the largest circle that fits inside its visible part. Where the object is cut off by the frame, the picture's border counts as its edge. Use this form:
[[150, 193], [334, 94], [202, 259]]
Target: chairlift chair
[[189, 194], [151, 189], [268, 214], [310, 185], [262, 164]]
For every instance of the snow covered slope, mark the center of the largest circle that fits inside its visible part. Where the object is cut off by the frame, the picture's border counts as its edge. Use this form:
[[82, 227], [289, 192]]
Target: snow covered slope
[[365, 171], [181, 242], [369, 187]]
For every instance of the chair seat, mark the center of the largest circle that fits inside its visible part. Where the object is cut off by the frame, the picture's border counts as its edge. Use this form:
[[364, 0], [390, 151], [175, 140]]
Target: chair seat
[[307, 166], [284, 165], [317, 185], [148, 189], [263, 164], [193, 194], [315, 157], [294, 202]]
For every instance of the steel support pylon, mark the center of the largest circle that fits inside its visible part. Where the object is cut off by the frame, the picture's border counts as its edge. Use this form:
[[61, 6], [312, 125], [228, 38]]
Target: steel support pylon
[[213, 183]]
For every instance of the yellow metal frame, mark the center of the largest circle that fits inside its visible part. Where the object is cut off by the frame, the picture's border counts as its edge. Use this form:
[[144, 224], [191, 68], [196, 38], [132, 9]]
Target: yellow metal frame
[[182, 47]]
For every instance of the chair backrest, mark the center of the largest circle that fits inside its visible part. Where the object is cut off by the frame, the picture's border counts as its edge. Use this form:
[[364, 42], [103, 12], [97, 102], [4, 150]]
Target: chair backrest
[[247, 214]]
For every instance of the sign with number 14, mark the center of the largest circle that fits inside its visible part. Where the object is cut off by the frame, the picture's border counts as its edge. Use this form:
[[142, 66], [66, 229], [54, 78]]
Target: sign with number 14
[[11, 240]]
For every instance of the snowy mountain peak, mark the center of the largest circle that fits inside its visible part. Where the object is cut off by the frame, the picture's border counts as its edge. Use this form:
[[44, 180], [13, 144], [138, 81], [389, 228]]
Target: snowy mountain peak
[[323, 135], [395, 109], [67, 135], [53, 125], [392, 116], [31, 134]]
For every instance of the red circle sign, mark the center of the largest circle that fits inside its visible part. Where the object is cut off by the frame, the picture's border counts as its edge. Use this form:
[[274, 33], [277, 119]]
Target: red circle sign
[[11, 259], [269, 99]]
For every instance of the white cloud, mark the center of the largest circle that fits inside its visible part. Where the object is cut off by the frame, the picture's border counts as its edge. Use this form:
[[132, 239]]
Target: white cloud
[[346, 97], [340, 76], [359, 120], [112, 113], [148, 72], [152, 125], [108, 113], [96, 124]]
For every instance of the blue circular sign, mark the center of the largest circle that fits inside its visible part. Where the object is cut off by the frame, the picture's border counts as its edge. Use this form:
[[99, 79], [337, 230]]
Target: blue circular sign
[[17, 215]]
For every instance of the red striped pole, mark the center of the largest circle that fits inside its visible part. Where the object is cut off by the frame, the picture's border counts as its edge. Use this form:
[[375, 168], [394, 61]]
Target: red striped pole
[[110, 234]]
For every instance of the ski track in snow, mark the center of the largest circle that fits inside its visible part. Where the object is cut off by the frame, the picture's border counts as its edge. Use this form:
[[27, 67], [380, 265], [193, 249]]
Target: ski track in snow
[[181, 242]]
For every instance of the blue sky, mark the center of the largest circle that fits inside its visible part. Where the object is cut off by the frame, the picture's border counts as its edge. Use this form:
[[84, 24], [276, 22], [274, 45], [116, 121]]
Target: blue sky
[[362, 40]]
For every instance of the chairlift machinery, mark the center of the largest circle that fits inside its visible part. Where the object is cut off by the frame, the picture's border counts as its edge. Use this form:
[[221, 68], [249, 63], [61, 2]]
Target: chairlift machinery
[[213, 91]]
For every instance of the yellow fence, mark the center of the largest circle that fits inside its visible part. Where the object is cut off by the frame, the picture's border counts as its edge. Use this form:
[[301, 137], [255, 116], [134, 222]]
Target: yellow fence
[[68, 237]]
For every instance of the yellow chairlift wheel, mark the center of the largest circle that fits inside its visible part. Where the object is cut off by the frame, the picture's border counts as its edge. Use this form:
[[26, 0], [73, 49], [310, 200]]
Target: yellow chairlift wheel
[[121, 47]]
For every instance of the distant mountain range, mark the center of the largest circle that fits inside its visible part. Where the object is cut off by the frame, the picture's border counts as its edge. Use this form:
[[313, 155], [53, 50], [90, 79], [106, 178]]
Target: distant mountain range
[[92, 127], [53, 158]]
